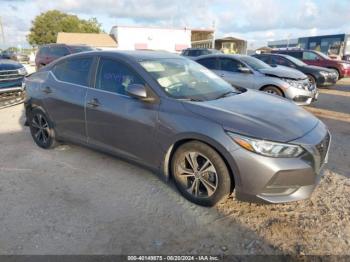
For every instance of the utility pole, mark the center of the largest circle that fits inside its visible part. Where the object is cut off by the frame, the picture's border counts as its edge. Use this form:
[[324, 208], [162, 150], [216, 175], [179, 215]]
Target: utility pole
[[2, 32], [213, 40]]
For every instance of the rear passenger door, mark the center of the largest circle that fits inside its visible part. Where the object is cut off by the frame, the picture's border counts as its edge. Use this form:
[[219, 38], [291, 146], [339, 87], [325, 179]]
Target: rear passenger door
[[229, 69], [64, 96], [115, 121], [311, 58]]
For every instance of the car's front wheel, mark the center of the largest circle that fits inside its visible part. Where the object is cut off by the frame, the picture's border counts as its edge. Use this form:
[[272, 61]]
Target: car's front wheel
[[200, 174], [41, 129], [272, 90]]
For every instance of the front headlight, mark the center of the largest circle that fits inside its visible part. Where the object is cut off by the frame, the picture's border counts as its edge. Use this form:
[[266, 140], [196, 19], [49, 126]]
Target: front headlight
[[22, 71], [324, 73], [267, 148], [293, 83]]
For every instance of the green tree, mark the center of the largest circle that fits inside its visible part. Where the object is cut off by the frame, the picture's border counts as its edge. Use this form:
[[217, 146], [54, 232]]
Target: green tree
[[46, 26]]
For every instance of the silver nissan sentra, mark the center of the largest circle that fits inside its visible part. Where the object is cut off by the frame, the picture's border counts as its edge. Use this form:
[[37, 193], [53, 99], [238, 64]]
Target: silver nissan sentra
[[250, 72], [176, 117]]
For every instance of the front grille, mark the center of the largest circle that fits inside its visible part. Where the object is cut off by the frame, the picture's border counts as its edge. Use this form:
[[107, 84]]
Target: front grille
[[322, 148], [9, 75]]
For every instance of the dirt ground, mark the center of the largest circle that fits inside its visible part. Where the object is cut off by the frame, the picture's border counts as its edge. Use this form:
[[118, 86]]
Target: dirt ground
[[72, 200]]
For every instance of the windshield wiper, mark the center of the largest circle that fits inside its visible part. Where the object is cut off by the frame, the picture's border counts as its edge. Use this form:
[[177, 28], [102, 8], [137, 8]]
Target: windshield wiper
[[226, 94]]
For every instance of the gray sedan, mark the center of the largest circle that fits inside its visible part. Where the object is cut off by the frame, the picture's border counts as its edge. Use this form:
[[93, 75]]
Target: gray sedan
[[181, 120], [250, 72]]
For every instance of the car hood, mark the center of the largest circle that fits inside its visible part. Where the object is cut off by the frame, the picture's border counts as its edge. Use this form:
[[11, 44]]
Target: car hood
[[7, 64], [283, 72], [256, 114]]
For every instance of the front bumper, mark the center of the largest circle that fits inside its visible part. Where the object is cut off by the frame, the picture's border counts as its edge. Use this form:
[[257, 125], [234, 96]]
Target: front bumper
[[279, 180], [345, 72], [301, 96], [331, 79]]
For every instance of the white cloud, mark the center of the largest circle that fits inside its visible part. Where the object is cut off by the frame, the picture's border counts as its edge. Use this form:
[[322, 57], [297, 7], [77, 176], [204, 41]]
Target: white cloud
[[255, 20]]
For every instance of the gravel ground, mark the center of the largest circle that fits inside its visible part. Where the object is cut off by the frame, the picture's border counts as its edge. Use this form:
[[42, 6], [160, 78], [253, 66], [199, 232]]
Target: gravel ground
[[72, 200]]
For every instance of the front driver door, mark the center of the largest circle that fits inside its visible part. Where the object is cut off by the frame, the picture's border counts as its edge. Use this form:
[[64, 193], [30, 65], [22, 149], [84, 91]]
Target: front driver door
[[115, 121], [229, 69]]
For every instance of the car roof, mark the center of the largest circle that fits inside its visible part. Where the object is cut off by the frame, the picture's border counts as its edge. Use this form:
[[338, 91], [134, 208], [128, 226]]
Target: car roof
[[60, 44], [273, 54], [221, 55], [130, 55]]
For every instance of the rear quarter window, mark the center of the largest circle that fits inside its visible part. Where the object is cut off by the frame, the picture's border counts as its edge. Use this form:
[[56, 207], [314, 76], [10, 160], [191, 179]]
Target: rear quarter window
[[74, 71]]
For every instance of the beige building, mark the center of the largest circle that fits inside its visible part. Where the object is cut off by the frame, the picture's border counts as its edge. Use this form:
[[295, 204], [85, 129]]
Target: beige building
[[101, 41], [231, 45]]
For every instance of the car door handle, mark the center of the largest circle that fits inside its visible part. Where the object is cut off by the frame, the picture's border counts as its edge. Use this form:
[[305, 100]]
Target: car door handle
[[93, 102], [47, 90], [222, 75]]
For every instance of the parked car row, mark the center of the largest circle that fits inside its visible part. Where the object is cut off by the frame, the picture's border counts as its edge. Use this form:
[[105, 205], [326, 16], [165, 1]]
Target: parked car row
[[12, 75], [318, 76], [180, 119], [16, 56], [249, 72]]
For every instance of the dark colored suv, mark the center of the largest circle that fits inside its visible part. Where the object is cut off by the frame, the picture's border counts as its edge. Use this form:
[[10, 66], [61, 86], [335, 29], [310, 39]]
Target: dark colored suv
[[316, 58], [194, 52], [48, 53]]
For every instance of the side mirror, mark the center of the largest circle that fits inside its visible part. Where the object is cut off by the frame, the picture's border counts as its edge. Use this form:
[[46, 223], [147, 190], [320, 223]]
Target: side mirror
[[244, 70], [138, 91]]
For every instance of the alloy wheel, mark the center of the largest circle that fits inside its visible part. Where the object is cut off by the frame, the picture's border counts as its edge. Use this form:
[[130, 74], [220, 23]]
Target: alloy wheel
[[197, 175], [41, 128]]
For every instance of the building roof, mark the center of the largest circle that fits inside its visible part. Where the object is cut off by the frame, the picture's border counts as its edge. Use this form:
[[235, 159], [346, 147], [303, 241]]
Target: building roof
[[228, 39], [166, 28], [91, 39]]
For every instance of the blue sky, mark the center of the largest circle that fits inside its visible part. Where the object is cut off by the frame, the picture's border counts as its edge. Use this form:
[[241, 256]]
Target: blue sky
[[254, 20]]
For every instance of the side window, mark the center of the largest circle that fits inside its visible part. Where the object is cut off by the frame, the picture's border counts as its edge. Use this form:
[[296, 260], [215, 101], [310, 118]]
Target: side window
[[277, 60], [264, 58], [208, 63], [298, 55], [115, 77], [75, 71], [59, 51], [230, 65], [44, 51], [310, 56], [193, 53]]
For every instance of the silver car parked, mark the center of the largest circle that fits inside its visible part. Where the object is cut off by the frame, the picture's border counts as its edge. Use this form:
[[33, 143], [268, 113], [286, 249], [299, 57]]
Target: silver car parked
[[249, 72]]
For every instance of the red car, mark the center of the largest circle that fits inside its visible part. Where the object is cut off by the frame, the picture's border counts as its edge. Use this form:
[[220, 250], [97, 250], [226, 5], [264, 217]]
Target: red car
[[316, 58], [48, 53]]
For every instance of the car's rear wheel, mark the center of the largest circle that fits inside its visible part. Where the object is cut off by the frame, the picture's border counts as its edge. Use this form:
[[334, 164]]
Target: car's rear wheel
[[200, 174], [272, 90], [41, 129]]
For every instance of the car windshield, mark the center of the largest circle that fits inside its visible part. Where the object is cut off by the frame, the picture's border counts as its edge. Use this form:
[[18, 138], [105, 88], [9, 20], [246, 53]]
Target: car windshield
[[295, 60], [185, 79], [254, 63]]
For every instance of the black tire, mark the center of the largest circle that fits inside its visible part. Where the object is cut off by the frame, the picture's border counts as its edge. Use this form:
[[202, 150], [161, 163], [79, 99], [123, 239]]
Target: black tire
[[215, 174], [312, 79], [273, 90], [41, 129]]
